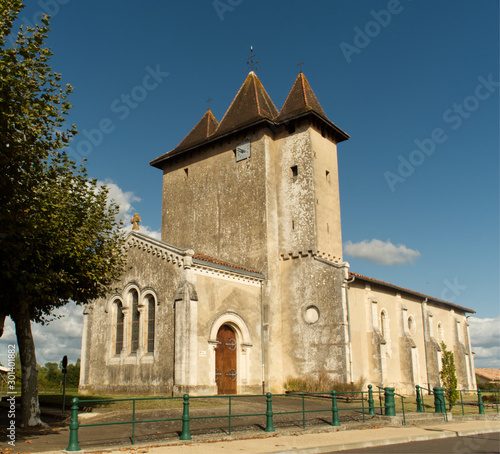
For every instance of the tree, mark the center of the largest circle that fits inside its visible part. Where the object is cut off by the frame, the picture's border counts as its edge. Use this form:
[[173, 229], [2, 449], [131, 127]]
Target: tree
[[448, 375], [73, 375], [59, 240]]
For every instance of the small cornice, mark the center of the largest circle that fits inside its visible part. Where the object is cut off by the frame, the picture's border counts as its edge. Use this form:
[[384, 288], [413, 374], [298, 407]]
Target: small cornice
[[181, 257]]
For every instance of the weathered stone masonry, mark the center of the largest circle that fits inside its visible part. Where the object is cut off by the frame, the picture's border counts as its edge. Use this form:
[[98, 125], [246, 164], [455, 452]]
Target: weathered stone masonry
[[255, 289]]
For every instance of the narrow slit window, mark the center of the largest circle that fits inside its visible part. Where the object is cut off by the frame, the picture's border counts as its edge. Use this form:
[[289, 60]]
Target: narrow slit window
[[151, 324], [328, 176], [135, 322], [119, 329], [186, 173], [295, 171]]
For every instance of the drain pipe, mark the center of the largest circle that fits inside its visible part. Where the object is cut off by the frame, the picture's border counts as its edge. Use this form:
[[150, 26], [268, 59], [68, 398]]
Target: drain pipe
[[472, 378], [262, 337], [424, 302], [346, 283]]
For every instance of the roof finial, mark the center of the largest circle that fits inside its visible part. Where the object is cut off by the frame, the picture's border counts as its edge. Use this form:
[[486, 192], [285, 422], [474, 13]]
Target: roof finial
[[300, 65], [208, 102], [250, 62], [135, 221]]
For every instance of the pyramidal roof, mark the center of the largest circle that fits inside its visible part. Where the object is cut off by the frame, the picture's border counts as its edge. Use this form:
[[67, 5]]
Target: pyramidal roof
[[202, 131], [300, 100], [251, 104]]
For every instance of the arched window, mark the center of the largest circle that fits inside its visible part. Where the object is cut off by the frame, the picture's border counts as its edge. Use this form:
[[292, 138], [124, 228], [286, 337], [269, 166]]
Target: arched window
[[383, 323], [119, 328], [440, 332], [134, 346], [151, 324], [412, 325]]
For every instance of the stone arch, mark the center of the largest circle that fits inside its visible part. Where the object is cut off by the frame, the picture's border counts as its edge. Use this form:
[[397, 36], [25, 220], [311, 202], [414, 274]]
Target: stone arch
[[234, 321], [127, 300], [244, 347], [149, 319]]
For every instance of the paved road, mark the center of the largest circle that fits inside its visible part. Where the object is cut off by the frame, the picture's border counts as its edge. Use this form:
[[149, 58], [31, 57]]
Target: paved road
[[485, 443]]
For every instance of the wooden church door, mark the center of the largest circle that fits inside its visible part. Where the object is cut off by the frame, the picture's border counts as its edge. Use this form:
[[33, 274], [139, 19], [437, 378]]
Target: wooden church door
[[225, 361]]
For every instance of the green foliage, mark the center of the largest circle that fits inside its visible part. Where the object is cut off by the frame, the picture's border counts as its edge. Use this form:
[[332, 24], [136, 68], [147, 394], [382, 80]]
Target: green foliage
[[50, 376], [320, 383], [448, 375], [59, 237], [488, 386]]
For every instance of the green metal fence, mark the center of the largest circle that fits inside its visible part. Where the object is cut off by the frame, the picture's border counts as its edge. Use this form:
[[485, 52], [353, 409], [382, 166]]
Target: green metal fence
[[388, 397], [468, 398], [268, 415]]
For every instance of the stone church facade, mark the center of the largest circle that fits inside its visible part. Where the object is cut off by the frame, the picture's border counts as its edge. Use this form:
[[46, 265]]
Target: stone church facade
[[247, 286]]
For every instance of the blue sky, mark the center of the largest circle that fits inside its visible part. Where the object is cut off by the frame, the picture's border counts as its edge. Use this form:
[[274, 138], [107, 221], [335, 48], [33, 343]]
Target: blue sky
[[414, 83]]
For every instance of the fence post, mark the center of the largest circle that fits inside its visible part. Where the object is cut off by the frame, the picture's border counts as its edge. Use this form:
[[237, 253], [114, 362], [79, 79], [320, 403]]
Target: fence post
[[73, 427], [186, 434], [390, 406], [439, 403], [480, 402], [419, 400], [269, 413], [371, 407], [335, 410]]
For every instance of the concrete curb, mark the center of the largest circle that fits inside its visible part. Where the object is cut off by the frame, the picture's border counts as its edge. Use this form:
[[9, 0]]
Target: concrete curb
[[314, 442], [393, 441]]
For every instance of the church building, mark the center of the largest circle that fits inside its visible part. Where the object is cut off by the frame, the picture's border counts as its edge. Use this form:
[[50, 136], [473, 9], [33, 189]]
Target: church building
[[248, 286]]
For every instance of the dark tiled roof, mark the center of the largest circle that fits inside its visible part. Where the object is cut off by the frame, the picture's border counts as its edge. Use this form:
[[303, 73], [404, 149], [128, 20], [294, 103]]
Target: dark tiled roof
[[251, 104], [301, 99], [202, 131], [402, 289], [207, 258]]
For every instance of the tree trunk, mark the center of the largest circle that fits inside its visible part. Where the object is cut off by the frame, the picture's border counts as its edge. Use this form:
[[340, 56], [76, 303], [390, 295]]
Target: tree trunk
[[2, 323], [30, 407]]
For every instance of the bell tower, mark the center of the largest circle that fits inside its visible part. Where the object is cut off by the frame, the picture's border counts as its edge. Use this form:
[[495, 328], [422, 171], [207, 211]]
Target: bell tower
[[259, 184]]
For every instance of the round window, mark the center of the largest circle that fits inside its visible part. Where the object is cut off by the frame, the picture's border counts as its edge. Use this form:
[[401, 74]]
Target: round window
[[311, 314]]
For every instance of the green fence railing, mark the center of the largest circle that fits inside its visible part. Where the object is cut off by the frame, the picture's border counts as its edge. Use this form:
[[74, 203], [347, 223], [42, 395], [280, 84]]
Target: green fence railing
[[268, 413], [474, 398], [468, 398], [389, 396]]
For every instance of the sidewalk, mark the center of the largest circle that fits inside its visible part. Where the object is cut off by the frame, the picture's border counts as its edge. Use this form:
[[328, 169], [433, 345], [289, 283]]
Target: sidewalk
[[304, 441]]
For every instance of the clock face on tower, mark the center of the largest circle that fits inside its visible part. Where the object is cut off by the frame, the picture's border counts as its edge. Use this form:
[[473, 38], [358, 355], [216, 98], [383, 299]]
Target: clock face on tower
[[243, 151]]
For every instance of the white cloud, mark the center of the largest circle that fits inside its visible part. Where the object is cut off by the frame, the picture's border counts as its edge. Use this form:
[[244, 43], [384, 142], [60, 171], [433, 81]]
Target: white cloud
[[485, 340], [380, 252], [146, 230], [125, 201], [53, 341]]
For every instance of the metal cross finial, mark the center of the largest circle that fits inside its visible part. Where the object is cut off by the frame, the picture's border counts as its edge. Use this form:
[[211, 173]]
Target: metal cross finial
[[208, 102], [135, 221], [250, 62], [300, 65]]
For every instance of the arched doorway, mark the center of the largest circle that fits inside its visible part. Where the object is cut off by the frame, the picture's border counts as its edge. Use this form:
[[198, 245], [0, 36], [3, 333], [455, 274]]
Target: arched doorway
[[225, 361]]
